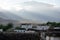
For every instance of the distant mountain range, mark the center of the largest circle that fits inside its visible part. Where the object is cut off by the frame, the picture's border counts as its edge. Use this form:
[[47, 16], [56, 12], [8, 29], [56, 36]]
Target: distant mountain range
[[9, 15], [33, 12], [38, 17], [40, 12]]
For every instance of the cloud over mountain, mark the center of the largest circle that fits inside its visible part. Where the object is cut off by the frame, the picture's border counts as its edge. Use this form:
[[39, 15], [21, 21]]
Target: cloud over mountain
[[34, 11], [9, 15], [40, 11]]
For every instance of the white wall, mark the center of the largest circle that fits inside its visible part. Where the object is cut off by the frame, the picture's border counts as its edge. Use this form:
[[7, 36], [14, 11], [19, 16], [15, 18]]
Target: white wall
[[42, 27], [26, 26], [38, 27], [43, 35], [52, 38], [1, 30], [19, 30], [30, 31]]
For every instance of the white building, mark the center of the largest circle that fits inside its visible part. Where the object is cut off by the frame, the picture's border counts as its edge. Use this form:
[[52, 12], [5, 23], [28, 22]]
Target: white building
[[19, 30], [26, 26], [29, 31], [41, 27], [1, 30], [24, 31], [52, 38], [34, 26], [53, 34]]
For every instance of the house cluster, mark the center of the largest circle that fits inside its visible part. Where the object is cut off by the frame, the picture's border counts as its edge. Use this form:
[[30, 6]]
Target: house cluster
[[45, 32], [24, 27], [27, 27]]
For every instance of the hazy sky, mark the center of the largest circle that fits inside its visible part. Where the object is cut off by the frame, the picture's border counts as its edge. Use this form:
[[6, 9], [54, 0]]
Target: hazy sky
[[16, 4], [49, 8], [20, 1]]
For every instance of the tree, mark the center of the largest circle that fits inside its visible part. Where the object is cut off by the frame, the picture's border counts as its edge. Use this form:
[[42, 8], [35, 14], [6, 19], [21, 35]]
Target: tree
[[8, 26], [48, 23], [1, 26], [19, 28], [57, 25], [51, 24], [5, 28]]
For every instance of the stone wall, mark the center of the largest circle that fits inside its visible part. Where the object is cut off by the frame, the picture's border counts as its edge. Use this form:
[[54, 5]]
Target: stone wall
[[19, 36]]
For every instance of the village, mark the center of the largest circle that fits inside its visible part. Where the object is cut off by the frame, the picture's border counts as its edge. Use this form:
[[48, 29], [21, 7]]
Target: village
[[44, 32]]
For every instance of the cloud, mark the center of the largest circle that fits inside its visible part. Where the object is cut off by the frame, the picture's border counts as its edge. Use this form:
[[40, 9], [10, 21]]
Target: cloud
[[37, 9], [9, 4], [40, 11]]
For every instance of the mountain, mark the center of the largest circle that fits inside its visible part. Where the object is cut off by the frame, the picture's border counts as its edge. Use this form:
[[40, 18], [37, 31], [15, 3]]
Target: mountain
[[40, 12], [5, 21], [9, 15], [33, 12], [37, 16]]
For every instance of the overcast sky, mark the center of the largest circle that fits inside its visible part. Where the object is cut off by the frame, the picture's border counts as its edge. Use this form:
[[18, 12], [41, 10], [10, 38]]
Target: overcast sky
[[49, 8], [16, 4]]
